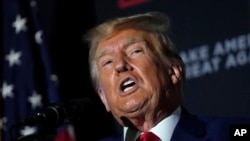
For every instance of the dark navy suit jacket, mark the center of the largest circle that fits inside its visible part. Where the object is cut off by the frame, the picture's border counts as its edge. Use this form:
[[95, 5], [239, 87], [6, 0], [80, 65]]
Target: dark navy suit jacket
[[197, 128]]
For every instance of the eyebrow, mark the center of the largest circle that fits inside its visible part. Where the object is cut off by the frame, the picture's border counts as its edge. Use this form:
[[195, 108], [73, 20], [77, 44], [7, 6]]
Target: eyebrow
[[126, 42]]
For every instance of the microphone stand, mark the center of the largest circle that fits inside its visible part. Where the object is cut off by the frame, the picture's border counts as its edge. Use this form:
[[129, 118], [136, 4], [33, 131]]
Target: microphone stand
[[46, 121], [53, 116]]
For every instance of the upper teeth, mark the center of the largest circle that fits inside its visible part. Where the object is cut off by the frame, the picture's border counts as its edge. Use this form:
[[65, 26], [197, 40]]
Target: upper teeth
[[128, 82]]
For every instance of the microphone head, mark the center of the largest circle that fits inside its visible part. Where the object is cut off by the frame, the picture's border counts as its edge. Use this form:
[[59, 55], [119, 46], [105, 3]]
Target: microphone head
[[54, 114]]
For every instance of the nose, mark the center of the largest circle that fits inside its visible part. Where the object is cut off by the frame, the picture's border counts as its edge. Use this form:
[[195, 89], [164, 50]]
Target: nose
[[122, 66]]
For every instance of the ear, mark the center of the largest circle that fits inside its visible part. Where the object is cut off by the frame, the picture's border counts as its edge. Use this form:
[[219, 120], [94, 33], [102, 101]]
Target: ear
[[102, 95], [175, 73]]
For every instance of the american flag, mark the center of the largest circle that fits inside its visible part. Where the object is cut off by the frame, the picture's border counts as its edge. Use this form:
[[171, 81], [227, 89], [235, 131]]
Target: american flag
[[28, 83]]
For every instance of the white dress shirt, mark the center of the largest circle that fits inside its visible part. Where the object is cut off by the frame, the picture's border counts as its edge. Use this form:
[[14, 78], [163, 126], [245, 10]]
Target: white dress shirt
[[163, 129]]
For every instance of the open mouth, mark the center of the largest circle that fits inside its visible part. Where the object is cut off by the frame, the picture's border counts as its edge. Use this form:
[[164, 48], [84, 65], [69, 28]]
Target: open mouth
[[127, 85]]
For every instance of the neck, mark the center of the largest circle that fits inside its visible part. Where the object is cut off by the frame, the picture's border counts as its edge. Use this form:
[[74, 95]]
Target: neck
[[146, 122]]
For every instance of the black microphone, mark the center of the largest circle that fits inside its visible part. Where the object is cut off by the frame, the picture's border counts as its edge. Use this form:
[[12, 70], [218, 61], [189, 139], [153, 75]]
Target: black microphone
[[56, 114]]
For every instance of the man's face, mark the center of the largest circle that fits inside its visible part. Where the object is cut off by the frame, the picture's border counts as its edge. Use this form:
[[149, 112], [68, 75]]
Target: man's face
[[131, 83]]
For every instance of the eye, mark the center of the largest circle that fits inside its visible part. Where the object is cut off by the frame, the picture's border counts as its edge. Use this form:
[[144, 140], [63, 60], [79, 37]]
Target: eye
[[107, 62], [136, 48], [136, 52]]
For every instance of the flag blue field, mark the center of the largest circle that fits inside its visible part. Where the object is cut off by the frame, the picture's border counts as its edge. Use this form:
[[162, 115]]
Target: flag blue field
[[28, 82]]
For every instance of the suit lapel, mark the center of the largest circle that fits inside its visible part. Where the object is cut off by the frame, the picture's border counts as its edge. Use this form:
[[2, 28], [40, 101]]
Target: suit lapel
[[189, 128]]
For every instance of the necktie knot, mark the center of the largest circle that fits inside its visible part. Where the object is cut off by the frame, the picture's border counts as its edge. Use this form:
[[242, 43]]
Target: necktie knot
[[148, 136]]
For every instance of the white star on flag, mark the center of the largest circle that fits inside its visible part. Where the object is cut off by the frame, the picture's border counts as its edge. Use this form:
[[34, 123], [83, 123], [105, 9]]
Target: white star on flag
[[28, 130], [2, 122], [19, 24], [33, 3], [7, 90], [38, 37], [13, 57], [54, 78], [35, 100]]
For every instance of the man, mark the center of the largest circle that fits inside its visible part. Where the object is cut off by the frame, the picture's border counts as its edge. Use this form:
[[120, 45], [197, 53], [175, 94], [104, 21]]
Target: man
[[138, 74]]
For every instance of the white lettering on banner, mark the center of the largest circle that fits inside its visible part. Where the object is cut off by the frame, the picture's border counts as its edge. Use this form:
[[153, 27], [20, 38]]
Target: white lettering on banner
[[239, 59], [196, 54], [227, 54]]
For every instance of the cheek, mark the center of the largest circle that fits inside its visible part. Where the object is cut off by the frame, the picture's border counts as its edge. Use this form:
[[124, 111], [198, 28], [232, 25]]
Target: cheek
[[106, 78], [108, 84], [155, 76]]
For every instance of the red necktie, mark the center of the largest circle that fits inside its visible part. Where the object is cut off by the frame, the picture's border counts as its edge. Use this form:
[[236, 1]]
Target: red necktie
[[148, 136]]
